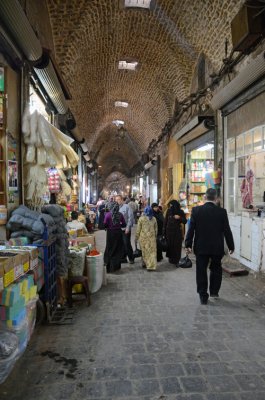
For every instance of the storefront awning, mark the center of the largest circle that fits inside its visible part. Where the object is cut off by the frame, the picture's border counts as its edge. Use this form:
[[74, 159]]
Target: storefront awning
[[247, 76], [195, 128], [16, 22]]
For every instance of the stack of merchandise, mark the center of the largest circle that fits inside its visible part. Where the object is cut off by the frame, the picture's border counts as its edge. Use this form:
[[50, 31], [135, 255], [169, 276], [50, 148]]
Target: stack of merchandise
[[17, 321], [61, 246], [46, 147], [30, 224], [35, 261], [17, 305]]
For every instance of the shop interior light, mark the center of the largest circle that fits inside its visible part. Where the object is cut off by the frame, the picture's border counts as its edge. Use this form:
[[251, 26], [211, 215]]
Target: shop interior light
[[208, 146]]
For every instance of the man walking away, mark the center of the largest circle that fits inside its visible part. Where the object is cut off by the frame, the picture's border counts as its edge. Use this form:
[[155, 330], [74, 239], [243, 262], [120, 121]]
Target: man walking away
[[134, 208], [208, 227], [128, 216]]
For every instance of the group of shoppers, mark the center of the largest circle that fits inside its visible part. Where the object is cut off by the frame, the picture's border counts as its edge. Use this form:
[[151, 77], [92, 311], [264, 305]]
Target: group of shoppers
[[208, 227], [152, 225]]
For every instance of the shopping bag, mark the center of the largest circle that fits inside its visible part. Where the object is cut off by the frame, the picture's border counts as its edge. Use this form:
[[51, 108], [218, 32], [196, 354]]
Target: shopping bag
[[137, 252], [162, 243], [185, 262]]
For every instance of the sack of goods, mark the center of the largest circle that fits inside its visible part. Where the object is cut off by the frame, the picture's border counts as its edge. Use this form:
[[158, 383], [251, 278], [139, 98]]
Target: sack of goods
[[95, 270], [185, 262]]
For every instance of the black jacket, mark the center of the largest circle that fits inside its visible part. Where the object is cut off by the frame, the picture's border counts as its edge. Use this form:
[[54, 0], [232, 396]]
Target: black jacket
[[208, 227], [160, 222]]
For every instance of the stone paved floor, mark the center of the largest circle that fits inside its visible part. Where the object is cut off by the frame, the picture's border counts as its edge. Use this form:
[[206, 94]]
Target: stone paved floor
[[147, 337]]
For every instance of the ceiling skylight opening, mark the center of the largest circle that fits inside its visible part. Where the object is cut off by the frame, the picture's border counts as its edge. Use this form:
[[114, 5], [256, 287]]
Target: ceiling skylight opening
[[123, 104], [131, 66], [137, 3], [118, 122]]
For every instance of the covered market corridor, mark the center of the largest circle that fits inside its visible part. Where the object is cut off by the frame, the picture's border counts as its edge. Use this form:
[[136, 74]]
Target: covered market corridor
[[145, 337]]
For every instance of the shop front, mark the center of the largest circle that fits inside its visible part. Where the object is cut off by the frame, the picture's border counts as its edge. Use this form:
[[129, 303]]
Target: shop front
[[10, 119], [199, 172], [244, 132]]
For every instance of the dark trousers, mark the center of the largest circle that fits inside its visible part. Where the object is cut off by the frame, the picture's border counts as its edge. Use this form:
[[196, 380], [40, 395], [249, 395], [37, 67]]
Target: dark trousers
[[202, 262], [127, 245]]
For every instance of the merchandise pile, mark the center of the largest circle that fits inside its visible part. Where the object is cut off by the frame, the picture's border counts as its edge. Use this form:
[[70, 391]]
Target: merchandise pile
[[30, 224], [17, 321], [46, 147], [60, 234]]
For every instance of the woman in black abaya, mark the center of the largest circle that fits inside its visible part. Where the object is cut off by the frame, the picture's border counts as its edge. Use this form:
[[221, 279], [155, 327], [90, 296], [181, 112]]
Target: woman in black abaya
[[173, 231]]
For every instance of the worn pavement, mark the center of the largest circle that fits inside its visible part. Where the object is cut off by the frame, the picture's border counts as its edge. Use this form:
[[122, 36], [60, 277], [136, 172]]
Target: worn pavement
[[145, 337]]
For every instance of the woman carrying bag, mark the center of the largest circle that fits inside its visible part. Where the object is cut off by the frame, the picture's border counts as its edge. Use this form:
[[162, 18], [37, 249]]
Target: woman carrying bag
[[173, 231], [146, 234]]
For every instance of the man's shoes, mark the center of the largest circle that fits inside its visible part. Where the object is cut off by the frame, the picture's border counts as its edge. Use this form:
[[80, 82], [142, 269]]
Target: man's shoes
[[124, 261], [204, 299], [177, 266], [131, 261], [214, 295]]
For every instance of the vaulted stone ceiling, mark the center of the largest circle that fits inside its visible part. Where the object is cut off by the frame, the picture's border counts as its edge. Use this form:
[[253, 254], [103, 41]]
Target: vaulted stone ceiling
[[91, 36]]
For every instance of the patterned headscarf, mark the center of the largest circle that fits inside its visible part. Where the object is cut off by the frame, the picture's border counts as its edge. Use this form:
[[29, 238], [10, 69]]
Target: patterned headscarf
[[175, 207], [115, 214], [148, 212]]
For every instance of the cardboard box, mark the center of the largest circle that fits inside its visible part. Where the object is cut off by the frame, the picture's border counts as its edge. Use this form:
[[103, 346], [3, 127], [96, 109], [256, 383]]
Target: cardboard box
[[17, 262], [32, 251], [24, 259], [89, 239], [8, 267], [1, 277]]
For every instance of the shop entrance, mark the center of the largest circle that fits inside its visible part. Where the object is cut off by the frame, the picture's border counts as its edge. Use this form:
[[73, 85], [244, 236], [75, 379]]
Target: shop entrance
[[200, 174]]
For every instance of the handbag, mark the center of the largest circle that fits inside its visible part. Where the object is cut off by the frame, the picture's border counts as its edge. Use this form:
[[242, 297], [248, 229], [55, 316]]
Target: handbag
[[185, 262], [137, 252], [162, 243]]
